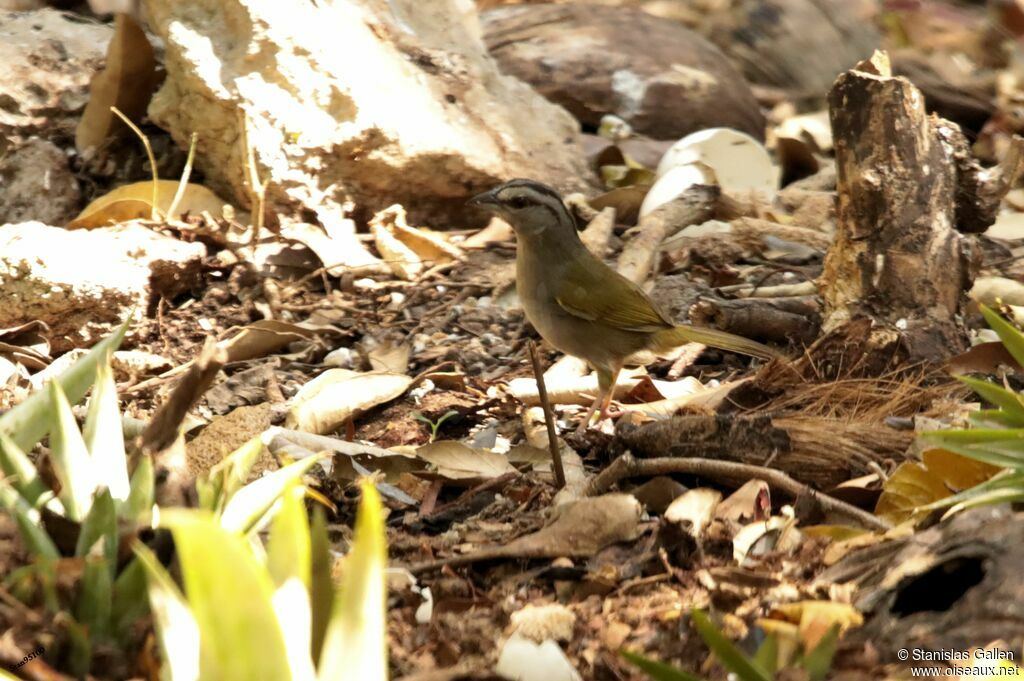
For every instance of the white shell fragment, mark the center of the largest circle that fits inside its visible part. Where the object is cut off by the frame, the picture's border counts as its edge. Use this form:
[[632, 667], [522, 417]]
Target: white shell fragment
[[733, 160]]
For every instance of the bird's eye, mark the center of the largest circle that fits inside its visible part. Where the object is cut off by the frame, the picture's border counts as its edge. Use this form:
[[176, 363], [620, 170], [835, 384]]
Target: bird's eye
[[518, 202]]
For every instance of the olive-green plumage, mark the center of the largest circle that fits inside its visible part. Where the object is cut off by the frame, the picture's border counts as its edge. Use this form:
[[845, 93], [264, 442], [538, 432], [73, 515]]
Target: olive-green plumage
[[579, 304]]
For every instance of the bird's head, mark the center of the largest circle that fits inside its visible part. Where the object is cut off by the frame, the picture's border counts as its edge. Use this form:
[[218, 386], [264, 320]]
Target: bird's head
[[533, 209]]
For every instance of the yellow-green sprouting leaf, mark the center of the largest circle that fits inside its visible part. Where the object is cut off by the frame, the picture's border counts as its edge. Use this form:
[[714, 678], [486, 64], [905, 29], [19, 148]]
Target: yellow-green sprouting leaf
[[71, 461], [230, 595], [176, 628], [104, 436], [355, 646], [29, 421], [247, 506]]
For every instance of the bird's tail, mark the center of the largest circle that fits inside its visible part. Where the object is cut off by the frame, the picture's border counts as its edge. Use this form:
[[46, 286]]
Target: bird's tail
[[676, 336]]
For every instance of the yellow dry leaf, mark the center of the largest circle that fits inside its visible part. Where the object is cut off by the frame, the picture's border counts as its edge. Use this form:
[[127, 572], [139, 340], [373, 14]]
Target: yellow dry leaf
[[126, 82], [134, 201], [958, 472], [911, 486], [815, 618]]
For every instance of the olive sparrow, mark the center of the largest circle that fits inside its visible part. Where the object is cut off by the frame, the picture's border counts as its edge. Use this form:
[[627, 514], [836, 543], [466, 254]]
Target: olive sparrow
[[579, 304]]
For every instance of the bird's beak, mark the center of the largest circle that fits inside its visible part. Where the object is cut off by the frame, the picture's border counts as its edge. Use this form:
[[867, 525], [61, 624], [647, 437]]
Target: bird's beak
[[487, 201]]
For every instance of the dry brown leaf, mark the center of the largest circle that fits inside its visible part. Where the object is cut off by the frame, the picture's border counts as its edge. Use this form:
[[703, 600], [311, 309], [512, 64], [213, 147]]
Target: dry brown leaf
[[583, 527], [329, 400], [457, 461], [264, 337], [914, 484], [407, 250], [750, 503], [390, 357], [135, 201], [983, 358], [402, 260], [126, 82]]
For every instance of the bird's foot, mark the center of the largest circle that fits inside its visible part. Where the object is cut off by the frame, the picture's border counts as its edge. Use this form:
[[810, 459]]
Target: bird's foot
[[608, 412]]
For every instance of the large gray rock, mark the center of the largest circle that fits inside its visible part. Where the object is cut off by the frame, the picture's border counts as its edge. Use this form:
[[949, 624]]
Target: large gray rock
[[663, 79], [48, 58], [375, 101]]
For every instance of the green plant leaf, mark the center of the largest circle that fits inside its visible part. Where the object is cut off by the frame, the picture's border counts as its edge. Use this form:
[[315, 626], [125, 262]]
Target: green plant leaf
[[228, 476], [1011, 456], [29, 421], [289, 548], [1012, 339], [100, 525], [28, 521], [20, 470], [321, 590], [1007, 400], [818, 662], [230, 595], [731, 657], [139, 505], [767, 655], [176, 628], [95, 598], [976, 435], [991, 497], [248, 505], [355, 646], [659, 671], [104, 435], [71, 461], [130, 603]]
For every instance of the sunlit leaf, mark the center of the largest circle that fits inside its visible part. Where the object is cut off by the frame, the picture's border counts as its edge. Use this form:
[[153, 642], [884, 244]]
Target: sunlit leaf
[[321, 591], [289, 547], [355, 646], [230, 598], [29, 421], [135, 201], [228, 476], [140, 496], [20, 471], [250, 503], [1012, 339], [1006, 400], [104, 435], [176, 628], [71, 461]]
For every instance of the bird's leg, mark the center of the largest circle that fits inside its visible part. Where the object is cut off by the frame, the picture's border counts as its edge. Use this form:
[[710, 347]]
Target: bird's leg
[[606, 379], [609, 392]]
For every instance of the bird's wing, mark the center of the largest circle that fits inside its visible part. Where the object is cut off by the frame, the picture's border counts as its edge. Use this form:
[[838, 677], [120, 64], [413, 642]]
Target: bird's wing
[[593, 291]]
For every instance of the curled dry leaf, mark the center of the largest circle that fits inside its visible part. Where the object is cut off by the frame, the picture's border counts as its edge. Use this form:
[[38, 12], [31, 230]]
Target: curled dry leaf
[[266, 336], [457, 461], [750, 503], [569, 389], [332, 398], [583, 527], [407, 249], [694, 509], [135, 202], [126, 82], [777, 534]]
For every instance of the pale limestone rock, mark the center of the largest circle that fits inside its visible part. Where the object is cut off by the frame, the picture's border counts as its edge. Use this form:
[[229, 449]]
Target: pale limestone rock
[[376, 101], [83, 283]]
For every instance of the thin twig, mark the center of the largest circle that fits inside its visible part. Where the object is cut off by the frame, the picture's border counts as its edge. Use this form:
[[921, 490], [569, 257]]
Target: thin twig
[[549, 417], [627, 466]]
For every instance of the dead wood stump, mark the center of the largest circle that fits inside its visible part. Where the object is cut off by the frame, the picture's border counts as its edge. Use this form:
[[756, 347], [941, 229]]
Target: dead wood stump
[[897, 258]]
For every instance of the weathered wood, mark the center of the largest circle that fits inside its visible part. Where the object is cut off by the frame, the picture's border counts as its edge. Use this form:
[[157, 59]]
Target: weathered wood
[[897, 258], [793, 319]]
